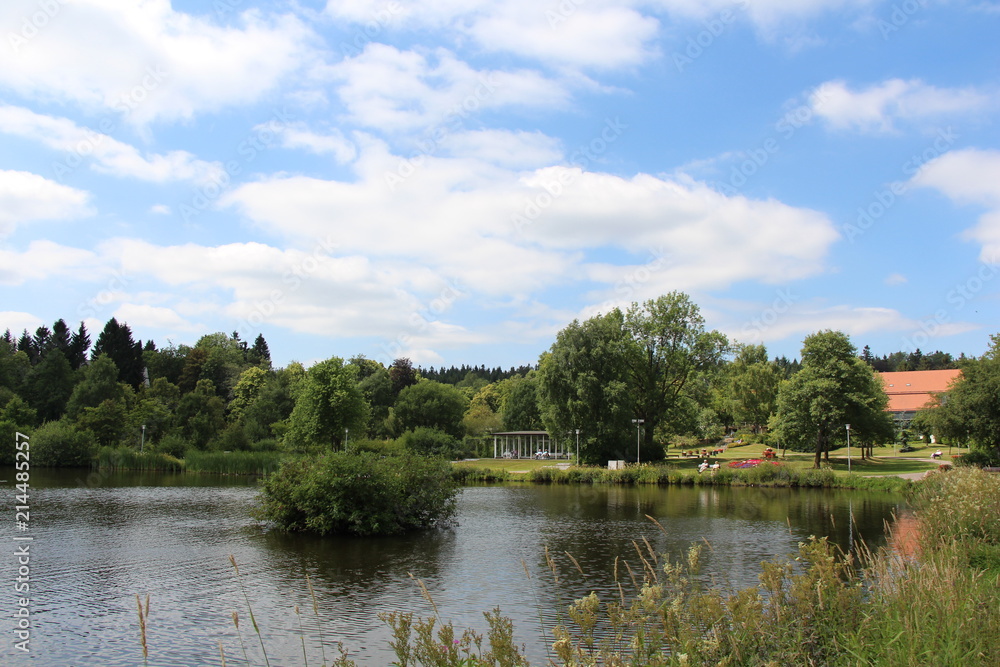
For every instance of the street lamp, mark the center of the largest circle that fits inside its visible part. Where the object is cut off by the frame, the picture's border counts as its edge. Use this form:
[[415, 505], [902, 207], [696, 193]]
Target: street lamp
[[577, 447], [638, 425], [345, 438], [848, 449], [142, 443]]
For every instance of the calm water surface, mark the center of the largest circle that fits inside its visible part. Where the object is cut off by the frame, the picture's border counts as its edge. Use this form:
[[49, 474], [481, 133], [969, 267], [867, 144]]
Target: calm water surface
[[95, 547]]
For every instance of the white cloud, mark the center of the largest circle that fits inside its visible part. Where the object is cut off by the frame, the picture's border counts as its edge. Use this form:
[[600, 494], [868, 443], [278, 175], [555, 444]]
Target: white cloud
[[878, 107], [18, 322], [27, 197], [504, 148], [970, 176], [146, 61], [394, 90], [107, 155], [45, 259], [512, 233], [770, 16], [155, 317], [796, 321], [333, 142], [896, 279], [597, 34]]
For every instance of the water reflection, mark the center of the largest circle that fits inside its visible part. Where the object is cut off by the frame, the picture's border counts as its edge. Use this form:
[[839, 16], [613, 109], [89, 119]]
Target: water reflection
[[170, 536]]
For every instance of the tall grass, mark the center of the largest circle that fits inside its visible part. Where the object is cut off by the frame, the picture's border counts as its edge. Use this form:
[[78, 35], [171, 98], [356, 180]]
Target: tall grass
[[233, 463], [124, 458], [469, 474]]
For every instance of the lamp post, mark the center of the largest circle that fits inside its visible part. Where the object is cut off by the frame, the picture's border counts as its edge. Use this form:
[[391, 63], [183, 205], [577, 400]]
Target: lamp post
[[345, 438], [577, 462], [638, 425], [848, 449], [142, 443]]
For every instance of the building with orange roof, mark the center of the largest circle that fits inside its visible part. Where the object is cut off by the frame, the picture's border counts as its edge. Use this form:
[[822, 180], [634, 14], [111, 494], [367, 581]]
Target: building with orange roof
[[910, 391]]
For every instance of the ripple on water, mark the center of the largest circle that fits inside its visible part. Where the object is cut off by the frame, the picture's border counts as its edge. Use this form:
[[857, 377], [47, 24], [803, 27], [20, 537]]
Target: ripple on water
[[96, 549]]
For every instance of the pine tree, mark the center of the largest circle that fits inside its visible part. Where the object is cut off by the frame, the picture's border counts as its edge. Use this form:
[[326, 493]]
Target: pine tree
[[116, 342], [260, 354], [79, 344]]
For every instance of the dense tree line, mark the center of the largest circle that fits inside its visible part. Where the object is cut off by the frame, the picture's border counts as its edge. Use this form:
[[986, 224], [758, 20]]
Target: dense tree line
[[458, 374], [911, 361], [634, 382]]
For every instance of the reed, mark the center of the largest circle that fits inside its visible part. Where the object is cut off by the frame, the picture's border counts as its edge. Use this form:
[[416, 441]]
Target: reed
[[124, 458], [253, 620], [464, 474], [232, 463], [143, 615]]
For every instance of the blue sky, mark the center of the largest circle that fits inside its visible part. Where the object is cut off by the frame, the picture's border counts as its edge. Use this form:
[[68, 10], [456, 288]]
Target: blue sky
[[456, 181]]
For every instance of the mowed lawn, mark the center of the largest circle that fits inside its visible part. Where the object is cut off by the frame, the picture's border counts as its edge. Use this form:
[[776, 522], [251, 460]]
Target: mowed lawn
[[887, 461]]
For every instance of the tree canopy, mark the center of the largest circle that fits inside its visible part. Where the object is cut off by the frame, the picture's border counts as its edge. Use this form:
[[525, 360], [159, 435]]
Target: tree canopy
[[606, 374], [834, 388]]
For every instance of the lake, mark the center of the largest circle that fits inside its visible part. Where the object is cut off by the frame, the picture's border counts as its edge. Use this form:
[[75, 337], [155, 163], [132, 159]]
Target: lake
[[99, 542]]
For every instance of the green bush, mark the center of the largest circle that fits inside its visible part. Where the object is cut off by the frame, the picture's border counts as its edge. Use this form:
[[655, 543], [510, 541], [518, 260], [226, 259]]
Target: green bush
[[266, 445], [358, 493], [979, 458], [383, 447], [430, 442], [173, 444], [547, 476], [60, 444]]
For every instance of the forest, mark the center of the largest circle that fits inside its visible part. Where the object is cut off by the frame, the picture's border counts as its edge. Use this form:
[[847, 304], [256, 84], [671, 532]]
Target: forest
[[654, 363]]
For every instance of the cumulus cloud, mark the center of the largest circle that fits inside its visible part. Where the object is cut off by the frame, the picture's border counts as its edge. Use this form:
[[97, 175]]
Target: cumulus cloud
[[27, 198], [970, 176], [43, 260], [598, 34], [513, 233], [332, 142], [150, 62], [792, 319], [106, 155], [880, 106], [396, 90]]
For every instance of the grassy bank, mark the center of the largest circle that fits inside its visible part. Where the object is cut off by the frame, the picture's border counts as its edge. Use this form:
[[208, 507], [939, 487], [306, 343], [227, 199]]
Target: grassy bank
[[770, 475]]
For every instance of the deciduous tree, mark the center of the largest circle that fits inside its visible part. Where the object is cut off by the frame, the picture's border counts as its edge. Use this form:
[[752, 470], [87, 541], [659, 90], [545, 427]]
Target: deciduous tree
[[834, 388], [328, 402]]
